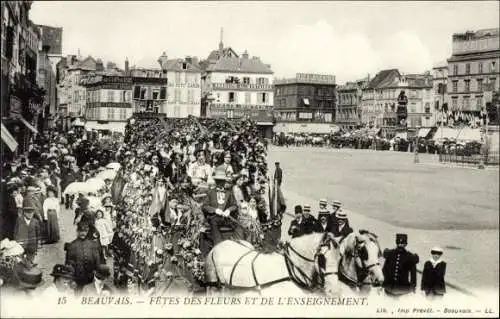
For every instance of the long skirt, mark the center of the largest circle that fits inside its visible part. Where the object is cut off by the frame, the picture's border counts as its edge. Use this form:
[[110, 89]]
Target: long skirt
[[52, 228]]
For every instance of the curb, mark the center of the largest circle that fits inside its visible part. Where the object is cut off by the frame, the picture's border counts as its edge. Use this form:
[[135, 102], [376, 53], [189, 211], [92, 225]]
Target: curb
[[449, 283]]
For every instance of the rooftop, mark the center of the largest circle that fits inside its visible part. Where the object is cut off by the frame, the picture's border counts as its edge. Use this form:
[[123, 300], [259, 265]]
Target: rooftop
[[240, 64], [177, 65], [310, 78], [479, 34], [385, 78]]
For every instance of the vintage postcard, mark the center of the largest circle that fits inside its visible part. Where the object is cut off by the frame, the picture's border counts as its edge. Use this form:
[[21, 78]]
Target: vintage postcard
[[249, 159]]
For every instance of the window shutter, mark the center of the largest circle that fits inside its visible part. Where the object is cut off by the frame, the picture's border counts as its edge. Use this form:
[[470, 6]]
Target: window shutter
[[137, 92], [163, 93]]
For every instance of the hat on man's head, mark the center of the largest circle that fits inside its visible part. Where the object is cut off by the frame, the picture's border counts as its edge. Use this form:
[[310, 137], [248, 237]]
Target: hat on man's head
[[82, 226], [307, 208], [437, 250], [340, 214], [298, 209], [323, 201], [102, 272], [336, 203], [323, 215], [29, 203], [401, 239], [64, 271]]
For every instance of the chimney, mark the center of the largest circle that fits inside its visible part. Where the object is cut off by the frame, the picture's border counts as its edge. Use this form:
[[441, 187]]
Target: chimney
[[99, 65], [162, 60], [195, 60], [245, 54], [126, 65], [189, 59]]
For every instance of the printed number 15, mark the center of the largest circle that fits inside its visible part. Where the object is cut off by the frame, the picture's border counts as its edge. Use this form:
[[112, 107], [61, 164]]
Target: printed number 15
[[62, 300]]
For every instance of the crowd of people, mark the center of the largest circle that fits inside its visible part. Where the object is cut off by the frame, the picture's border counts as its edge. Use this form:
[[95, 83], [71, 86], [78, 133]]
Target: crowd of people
[[159, 200], [180, 187]]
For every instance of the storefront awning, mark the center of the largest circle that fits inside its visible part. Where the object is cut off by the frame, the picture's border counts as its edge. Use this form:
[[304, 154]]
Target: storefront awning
[[8, 139], [28, 125], [423, 132]]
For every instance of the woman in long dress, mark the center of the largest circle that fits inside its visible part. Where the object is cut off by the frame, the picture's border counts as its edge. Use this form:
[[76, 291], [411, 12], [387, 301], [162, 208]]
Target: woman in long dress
[[248, 218], [51, 210]]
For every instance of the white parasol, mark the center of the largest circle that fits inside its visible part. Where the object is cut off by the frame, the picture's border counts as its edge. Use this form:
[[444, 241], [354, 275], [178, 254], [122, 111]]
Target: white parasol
[[75, 188], [96, 182], [107, 174], [115, 166]]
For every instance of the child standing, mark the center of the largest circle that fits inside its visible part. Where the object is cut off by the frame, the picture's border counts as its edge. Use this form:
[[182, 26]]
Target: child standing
[[433, 275]]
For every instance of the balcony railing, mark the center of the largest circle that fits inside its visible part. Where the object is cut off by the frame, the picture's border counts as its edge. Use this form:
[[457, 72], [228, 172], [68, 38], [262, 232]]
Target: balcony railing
[[242, 86], [231, 106]]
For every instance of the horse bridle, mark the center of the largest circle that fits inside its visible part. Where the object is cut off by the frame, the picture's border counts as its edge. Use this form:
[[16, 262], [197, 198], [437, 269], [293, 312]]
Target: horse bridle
[[291, 267], [357, 254]]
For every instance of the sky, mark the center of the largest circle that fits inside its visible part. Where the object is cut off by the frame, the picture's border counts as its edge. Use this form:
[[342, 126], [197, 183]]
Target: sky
[[347, 39]]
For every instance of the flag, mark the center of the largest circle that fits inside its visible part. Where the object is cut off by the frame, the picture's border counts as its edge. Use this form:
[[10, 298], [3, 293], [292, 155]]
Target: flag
[[117, 187], [276, 203]]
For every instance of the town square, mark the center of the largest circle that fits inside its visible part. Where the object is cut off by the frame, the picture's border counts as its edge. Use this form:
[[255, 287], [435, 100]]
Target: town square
[[244, 159]]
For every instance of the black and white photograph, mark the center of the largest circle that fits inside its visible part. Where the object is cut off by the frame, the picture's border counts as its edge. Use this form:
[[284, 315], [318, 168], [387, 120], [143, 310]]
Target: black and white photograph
[[232, 159]]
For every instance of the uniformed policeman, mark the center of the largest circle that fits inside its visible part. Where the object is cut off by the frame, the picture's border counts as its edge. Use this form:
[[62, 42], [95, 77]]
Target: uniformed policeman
[[400, 268], [84, 255]]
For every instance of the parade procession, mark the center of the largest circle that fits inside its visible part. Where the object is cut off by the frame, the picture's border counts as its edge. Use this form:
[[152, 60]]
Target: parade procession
[[249, 159]]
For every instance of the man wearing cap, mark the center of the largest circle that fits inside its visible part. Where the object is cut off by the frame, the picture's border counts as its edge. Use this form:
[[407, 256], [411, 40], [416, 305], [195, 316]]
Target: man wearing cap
[[341, 228], [84, 255], [100, 285], [28, 230], [63, 284], [400, 268], [219, 205], [433, 283]]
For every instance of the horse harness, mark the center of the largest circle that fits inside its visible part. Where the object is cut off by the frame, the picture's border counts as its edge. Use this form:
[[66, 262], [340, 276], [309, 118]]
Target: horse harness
[[360, 253], [291, 268]]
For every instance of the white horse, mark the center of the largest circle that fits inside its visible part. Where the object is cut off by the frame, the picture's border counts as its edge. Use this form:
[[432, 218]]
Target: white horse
[[308, 264], [360, 266]]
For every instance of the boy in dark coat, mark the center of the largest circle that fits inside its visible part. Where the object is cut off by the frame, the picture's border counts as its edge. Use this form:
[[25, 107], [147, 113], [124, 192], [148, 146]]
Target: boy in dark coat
[[433, 275]]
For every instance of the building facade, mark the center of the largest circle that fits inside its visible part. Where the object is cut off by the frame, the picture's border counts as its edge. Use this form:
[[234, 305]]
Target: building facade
[[184, 86], [72, 96], [149, 90], [439, 88], [47, 80], [108, 102], [238, 86], [306, 98], [21, 97], [348, 113], [392, 101], [473, 71]]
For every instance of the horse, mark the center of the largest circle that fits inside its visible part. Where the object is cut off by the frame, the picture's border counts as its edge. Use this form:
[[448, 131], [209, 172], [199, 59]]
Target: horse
[[307, 264], [359, 265]]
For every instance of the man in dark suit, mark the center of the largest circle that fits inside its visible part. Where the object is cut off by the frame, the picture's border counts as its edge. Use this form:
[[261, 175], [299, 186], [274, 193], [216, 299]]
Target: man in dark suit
[[220, 208], [400, 268], [278, 173], [341, 228], [295, 229], [310, 224], [84, 255]]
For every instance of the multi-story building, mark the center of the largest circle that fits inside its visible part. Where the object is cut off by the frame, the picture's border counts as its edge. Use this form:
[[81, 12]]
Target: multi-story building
[[305, 98], [238, 87], [149, 90], [47, 80], [52, 37], [387, 92], [439, 84], [184, 86], [473, 71], [72, 95], [21, 97], [108, 102], [348, 113]]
